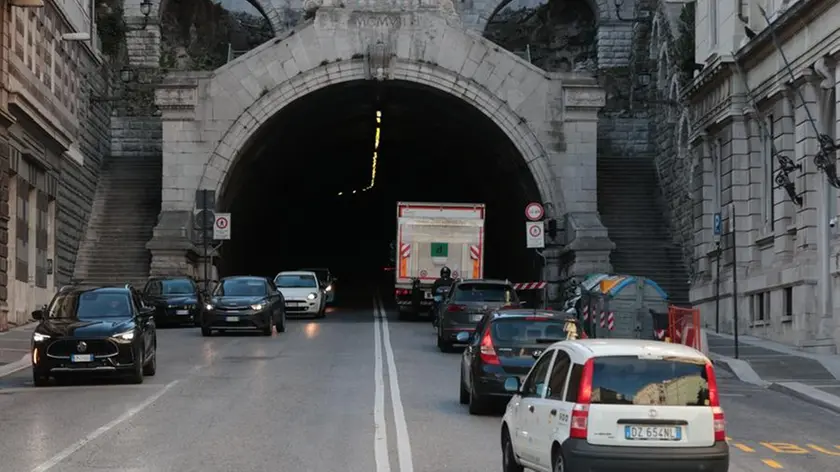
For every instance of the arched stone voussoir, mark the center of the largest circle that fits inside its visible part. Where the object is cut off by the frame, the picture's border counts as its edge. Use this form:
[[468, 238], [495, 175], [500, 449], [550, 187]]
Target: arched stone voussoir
[[243, 95]]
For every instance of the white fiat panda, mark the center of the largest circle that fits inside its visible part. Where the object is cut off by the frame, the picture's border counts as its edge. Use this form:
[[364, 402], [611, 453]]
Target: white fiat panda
[[615, 405]]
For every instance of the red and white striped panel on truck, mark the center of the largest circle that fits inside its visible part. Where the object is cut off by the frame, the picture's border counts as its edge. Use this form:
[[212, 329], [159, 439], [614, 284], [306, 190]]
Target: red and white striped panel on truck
[[405, 250], [529, 285], [475, 252]]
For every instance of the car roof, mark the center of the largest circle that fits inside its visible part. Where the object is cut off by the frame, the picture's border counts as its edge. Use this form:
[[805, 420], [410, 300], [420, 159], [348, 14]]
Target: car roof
[[588, 348], [524, 312], [244, 277], [170, 277], [296, 272], [484, 281], [94, 288]]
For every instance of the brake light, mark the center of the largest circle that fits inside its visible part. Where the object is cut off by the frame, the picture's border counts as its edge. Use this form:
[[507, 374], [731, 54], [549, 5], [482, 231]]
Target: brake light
[[714, 401], [456, 308], [401, 291], [488, 352], [580, 412]]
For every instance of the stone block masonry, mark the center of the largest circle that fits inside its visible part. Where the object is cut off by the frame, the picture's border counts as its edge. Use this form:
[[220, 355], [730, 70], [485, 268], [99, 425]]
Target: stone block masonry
[[133, 136]]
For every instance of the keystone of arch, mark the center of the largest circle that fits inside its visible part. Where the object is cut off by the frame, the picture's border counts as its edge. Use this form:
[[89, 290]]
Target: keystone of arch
[[244, 94]]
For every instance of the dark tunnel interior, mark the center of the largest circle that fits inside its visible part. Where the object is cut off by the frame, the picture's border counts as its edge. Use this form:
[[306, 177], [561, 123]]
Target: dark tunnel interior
[[291, 194]]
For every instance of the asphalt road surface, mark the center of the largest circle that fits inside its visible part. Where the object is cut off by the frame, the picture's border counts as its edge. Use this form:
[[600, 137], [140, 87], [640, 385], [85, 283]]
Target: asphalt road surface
[[351, 392]]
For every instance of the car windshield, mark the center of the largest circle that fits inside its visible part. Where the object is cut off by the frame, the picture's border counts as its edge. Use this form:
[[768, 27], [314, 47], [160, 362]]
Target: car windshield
[[322, 274], [295, 281], [242, 288], [484, 292], [526, 331], [172, 287], [628, 380], [91, 305]]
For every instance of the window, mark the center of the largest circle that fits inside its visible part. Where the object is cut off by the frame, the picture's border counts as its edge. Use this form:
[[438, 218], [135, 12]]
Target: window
[[22, 232], [717, 176], [295, 281], [574, 383], [485, 292], [535, 383], [559, 373], [830, 129], [522, 331], [628, 380], [769, 161], [713, 23], [760, 306], [41, 239], [171, 287], [91, 304], [242, 288], [788, 302]]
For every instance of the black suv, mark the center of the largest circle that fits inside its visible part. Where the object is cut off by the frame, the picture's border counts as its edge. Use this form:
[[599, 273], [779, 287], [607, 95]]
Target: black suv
[[94, 330], [177, 300]]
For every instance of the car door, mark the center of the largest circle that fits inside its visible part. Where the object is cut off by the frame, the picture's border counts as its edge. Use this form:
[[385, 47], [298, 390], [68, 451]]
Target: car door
[[553, 408], [145, 322], [274, 300], [528, 423]]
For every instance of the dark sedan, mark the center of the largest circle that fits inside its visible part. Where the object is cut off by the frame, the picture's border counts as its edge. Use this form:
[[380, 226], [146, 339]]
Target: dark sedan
[[507, 343], [243, 304], [465, 305], [177, 300], [94, 330]]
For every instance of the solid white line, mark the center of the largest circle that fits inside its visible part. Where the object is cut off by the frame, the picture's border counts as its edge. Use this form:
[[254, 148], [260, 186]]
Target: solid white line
[[403, 441], [380, 435], [55, 460]]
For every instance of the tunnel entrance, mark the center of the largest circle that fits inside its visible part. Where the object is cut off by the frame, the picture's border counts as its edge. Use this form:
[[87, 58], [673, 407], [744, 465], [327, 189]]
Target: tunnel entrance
[[307, 190]]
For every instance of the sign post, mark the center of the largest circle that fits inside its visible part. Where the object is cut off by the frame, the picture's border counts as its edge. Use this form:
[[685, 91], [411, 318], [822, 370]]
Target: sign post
[[535, 237], [717, 230], [734, 275]]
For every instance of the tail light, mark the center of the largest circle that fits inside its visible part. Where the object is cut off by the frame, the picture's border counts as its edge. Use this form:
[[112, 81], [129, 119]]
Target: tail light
[[580, 412], [456, 308], [401, 291], [488, 352], [714, 402]]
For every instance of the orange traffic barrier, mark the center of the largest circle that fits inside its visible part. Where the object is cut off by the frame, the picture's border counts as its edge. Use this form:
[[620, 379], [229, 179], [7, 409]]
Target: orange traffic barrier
[[683, 324]]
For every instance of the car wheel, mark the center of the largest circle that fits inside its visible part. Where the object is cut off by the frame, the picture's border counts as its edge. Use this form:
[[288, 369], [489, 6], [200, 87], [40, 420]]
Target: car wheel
[[281, 326], [266, 331], [206, 331], [509, 463], [443, 345], [558, 464], [478, 405], [136, 377], [151, 367], [40, 380], [465, 394]]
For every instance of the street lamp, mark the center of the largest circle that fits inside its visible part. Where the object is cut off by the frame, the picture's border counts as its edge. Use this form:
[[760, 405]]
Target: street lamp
[[145, 10]]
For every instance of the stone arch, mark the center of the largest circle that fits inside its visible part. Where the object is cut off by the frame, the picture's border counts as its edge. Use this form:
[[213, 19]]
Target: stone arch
[[663, 69], [655, 35], [603, 10]]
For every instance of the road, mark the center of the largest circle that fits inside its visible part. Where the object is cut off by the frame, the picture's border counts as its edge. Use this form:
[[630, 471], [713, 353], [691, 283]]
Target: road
[[323, 397]]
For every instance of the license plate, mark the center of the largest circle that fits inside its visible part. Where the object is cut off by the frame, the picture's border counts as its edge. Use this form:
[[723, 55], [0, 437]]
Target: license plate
[[652, 433], [81, 357], [428, 295], [182, 312], [476, 318], [232, 319]]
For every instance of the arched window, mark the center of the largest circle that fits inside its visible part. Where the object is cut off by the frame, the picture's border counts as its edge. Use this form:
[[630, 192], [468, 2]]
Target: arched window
[[717, 175], [769, 166]]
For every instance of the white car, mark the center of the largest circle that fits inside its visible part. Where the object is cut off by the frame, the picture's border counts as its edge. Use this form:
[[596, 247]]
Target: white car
[[615, 405], [303, 293]]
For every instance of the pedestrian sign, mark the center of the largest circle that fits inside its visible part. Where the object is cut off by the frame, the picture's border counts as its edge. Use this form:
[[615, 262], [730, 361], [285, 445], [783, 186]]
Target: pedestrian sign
[[221, 227], [440, 249], [717, 225]]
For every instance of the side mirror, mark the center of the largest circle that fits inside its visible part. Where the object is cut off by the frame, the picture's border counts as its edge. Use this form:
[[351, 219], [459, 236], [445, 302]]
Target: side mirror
[[147, 311], [38, 315], [462, 337], [438, 299], [512, 385]]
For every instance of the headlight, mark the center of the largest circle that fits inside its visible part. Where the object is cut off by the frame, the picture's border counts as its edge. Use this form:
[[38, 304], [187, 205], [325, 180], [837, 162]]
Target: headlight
[[312, 296], [328, 289], [127, 336], [208, 306], [38, 337], [258, 306]]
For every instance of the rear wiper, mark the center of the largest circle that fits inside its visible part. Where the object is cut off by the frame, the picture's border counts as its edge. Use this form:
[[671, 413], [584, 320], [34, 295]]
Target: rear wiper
[[549, 340]]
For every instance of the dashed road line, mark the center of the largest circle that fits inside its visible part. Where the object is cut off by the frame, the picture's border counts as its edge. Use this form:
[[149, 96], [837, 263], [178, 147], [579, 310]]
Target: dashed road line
[[772, 464]]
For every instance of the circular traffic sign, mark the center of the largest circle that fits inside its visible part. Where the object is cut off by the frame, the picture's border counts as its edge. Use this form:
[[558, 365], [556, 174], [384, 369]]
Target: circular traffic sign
[[535, 231], [423, 273], [222, 223], [455, 274], [534, 211]]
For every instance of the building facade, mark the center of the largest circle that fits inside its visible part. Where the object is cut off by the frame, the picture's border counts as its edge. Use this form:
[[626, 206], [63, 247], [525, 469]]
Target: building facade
[[53, 142], [751, 137]]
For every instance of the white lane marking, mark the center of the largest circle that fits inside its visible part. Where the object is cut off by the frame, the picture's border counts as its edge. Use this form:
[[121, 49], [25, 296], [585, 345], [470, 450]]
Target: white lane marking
[[56, 459], [380, 435], [403, 441]]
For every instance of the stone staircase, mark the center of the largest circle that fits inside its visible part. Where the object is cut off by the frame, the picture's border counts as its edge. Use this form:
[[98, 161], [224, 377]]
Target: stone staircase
[[630, 206], [124, 214]]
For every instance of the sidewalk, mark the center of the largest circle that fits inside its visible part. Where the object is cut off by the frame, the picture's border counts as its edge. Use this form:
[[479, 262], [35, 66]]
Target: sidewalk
[[811, 377], [14, 348]]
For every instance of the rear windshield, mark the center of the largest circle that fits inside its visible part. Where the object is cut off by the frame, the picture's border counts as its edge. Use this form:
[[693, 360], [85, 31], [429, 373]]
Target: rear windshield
[[295, 281], [483, 292], [628, 380], [521, 331]]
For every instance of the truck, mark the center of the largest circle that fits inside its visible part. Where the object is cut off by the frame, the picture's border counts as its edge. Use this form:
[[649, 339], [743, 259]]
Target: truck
[[431, 236]]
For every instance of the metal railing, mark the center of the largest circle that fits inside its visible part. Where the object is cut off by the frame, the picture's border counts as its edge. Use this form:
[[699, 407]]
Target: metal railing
[[233, 53]]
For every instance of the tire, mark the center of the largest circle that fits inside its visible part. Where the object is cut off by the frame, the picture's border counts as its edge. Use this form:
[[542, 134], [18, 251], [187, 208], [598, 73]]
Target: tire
[[281, 326], [465, 394], [558, 463], [206, 331], [136, 377], [509, 463], [150, 369], [267, 330], [40, 380], [477, 405], [443, 345]]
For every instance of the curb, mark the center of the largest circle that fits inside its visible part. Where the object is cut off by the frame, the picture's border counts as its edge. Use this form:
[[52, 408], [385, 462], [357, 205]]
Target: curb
[[15, 366], [808, 394], [739, 368]]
